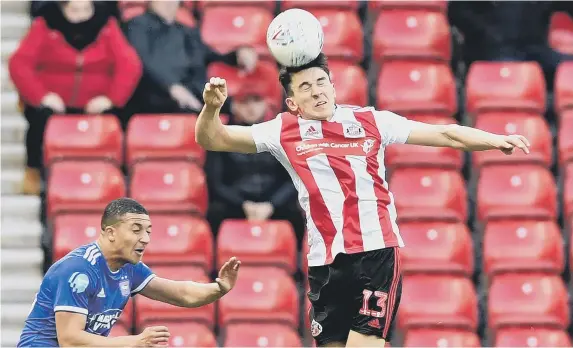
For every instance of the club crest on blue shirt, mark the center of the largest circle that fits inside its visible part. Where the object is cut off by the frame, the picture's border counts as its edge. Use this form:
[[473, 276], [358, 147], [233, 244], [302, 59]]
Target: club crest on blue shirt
[[124, 287], [79, 282]]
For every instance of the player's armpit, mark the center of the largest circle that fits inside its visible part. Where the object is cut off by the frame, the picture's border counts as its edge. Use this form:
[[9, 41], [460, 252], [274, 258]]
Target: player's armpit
[[70, 330], [182, 293], [213, 135]]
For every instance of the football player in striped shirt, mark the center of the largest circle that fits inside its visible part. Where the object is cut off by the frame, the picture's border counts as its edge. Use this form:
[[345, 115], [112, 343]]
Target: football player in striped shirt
[[83, 294], [335, 157]]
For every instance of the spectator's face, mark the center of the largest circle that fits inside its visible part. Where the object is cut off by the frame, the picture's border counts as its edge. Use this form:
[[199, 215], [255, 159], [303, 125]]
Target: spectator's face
[[77, 11], [313, 94], [250, 110], [165, 8]]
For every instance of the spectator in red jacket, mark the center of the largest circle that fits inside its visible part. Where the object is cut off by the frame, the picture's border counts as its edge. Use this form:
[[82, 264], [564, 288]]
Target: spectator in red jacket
[[74, 59]]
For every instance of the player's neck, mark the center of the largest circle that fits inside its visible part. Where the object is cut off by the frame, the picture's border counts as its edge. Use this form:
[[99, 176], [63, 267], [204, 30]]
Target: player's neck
[[114, 261]]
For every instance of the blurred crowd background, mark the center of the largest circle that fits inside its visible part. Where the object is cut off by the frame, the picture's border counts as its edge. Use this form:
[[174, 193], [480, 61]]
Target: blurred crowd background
[[110, 91]]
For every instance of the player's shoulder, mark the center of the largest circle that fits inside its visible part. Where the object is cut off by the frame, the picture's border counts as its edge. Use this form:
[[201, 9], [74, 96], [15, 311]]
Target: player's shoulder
[[83, 258]]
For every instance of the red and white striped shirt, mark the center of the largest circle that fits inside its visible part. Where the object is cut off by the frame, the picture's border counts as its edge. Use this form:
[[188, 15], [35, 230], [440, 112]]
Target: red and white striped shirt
[[337, 166]]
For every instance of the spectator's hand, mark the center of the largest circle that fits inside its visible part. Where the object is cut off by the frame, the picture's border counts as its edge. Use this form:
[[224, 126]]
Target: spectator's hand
[[262, 211], [215, 92], [54, 102], [249, 209], [184, 98], [98, 105], [247, 58]]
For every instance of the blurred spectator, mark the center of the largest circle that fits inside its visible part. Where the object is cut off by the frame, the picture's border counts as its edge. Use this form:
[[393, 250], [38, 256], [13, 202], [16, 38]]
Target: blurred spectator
[[111, 7], [256, 187], [175, 61], [509, 30], [74, 59]]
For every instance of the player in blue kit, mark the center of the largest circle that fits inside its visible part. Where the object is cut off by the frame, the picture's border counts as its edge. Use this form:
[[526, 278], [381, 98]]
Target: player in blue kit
[[83, 294]]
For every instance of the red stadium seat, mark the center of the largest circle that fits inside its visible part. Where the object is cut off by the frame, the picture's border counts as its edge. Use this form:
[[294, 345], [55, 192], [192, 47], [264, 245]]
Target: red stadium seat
[[311, 4], [119, 330], [564, 138], [341, 30], [438, 300], [261, 294], [179, 240], [398, 155], [270, 5], [435, 5], [126, 318], [561, 33], [188, 334], [261, 335], [174, 186], [225, 28], [83, 137], [350, 81], [429, 194], [73, 230], [265, 77], [83, 186], [405, 34], [437, 247], [148, 310], [532, 337], [533, 126], [563, 87], [416, 87], [162, 137], [527, 300], [266, 243], [441, 338], [516, 191], [568, 191], [515, 86], [523, 245]]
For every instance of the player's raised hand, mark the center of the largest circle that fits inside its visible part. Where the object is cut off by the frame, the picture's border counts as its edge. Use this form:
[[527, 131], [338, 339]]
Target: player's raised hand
[[228, 274], [509, 143], [215, 92], [153, 336]]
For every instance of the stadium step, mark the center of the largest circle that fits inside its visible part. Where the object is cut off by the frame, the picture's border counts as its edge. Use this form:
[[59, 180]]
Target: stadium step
[[11, 182], [13, 261], [14, 25], [6, 81], [9, 101], [13, 156], [10, 336], [18, 289], [21, 207], [13, 129], [14, 315], [19, 233], [8, 47], [15, 6]]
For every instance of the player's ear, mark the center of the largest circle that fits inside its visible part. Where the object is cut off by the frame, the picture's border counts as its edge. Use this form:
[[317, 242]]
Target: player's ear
[[291, 104], [110, 233]]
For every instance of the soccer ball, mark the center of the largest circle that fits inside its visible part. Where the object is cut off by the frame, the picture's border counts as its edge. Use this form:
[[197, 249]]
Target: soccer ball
[[295, 37]]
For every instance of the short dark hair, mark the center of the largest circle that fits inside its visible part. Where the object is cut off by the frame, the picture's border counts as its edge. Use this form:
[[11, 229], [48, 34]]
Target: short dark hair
[[285, 74], [117, 208]]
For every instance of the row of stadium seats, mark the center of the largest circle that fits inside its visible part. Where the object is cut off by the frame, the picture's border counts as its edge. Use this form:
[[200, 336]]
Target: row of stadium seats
[[503, 191], [403, 29], [509, 245], [269, 295]]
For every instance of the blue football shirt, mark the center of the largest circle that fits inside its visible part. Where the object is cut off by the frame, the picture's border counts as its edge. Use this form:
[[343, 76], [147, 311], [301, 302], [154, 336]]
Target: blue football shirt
[[82, 282]]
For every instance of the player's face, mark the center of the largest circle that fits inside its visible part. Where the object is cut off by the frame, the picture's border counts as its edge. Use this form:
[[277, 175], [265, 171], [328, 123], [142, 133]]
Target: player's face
[[313, 94], [133, 236]]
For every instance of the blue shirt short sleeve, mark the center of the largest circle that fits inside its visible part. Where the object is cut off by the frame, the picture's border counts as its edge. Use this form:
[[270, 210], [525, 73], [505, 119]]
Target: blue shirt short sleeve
[[141, 276], [75, 284]]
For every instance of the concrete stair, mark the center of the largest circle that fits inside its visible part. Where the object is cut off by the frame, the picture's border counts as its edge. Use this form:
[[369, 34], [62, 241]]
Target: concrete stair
[[21, 254]]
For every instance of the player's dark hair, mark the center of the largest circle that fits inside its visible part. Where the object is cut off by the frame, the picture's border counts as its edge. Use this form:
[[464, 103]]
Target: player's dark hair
[[285, 74], [117, 208]]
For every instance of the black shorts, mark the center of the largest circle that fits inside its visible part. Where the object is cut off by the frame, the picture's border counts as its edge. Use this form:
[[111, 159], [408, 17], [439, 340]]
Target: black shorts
[[359, 292]]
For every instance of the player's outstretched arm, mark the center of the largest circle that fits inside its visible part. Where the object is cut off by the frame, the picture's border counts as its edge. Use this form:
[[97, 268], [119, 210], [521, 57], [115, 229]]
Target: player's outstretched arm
[[70, 330], [211, 133], [191, 294], [464, 138]]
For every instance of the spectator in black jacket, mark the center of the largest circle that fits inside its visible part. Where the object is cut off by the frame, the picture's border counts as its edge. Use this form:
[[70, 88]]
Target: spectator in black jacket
[[256, 187], [175, 61], [509, 30]]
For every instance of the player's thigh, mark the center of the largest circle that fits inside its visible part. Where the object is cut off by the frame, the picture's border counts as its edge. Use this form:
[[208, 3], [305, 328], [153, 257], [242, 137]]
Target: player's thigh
[[378, 297], [331, 306]]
